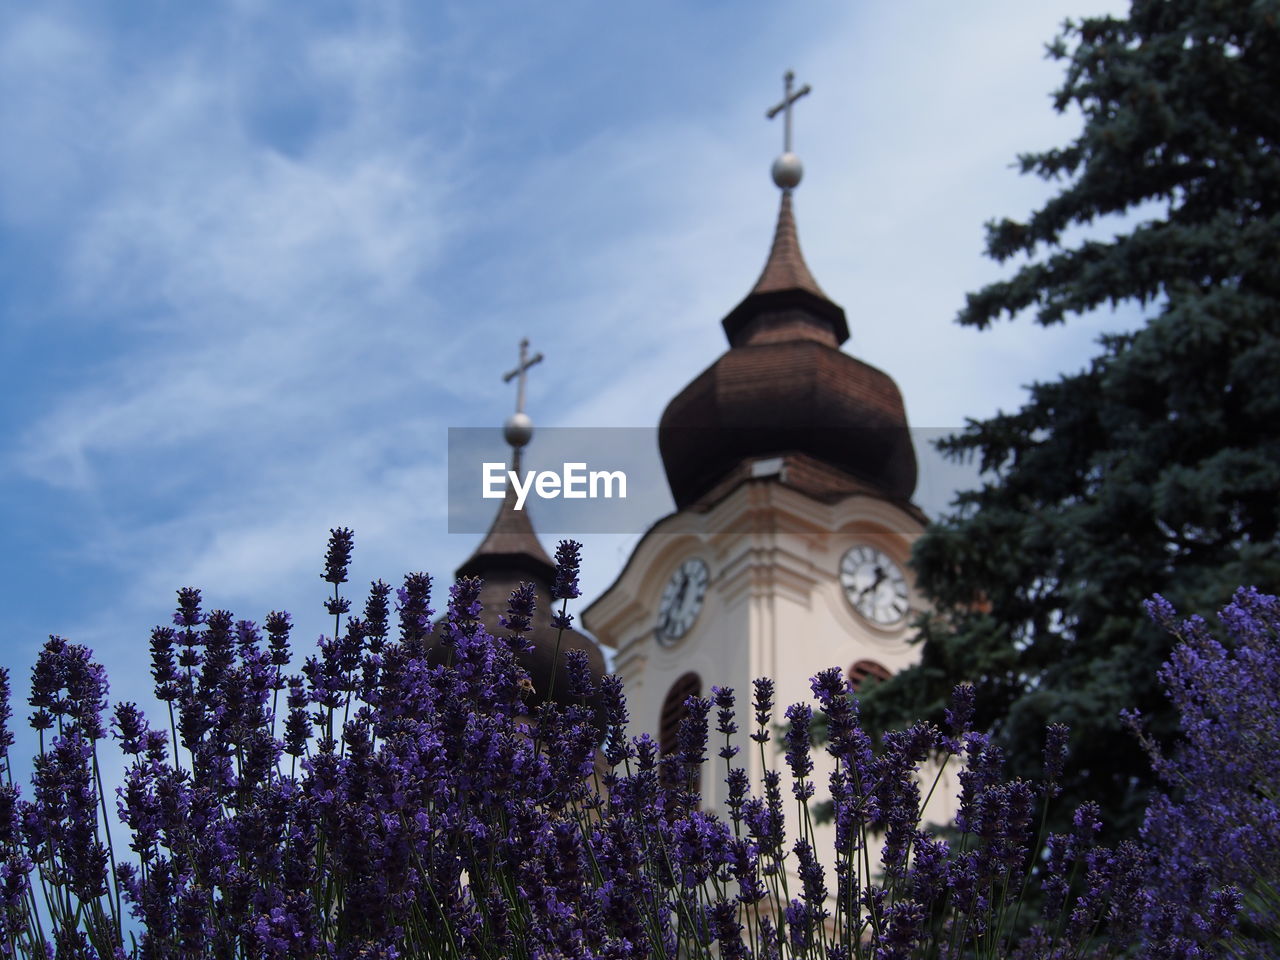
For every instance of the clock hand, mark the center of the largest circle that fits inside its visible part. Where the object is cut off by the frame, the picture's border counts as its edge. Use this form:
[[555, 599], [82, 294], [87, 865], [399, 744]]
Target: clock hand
[[669, 614], [664, 627], [877, 581], [880, 577], [679, 601]]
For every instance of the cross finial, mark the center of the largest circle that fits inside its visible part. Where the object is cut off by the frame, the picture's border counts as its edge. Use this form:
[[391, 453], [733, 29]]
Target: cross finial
[[784, 107], [518, 430], [518, 374]]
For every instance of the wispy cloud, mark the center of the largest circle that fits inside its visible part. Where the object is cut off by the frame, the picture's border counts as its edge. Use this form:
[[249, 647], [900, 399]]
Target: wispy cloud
[[284, 253]]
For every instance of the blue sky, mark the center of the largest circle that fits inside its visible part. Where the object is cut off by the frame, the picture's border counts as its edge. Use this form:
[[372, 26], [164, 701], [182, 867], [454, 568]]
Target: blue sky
[[256, 259]]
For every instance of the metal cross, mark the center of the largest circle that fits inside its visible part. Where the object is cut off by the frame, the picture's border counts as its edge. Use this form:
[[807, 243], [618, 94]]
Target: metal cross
[[526, 362], [785, 108]]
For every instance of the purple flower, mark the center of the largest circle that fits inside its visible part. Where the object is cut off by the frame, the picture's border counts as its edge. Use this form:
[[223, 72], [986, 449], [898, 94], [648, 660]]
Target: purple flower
[[130, 728], [797, 744], [960, 714], [765, 820], [800, 927], [568, 558], [163, 666], [904, 930], [691, 737], [247, 637], [219, 651], [188, 613], [376, 612], [46, 685], [415, 610], [9, 818], [738, 785], [983, 767], [338, 556], [763, 708], [701, 847], [1055, 753], [770, 942], [519, 616], [66, 685], [278, 624], [6, 713], [1087, 821], [297, 728], [812, 879], [722, 697], [614, 704], [728, 931], [62, 820], [829, 685], [577, 668], [15, 872], [846, 740], [423, 810], [1218, 824]]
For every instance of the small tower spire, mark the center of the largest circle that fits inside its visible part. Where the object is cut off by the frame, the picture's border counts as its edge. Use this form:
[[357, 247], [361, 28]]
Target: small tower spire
[[786, 301], [511, 541], [510, 555], [785, 268]]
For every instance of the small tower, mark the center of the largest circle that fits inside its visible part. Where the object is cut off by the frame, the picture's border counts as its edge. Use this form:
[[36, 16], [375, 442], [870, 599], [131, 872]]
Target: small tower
[[510, 554]]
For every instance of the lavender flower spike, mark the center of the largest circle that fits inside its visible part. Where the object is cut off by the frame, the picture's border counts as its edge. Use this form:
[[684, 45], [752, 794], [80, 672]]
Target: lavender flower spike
[[568, 558], [338, 557]]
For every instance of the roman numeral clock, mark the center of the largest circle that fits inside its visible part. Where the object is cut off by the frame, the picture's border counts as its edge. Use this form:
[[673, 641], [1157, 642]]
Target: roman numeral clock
[[681, 601], [875, 585]]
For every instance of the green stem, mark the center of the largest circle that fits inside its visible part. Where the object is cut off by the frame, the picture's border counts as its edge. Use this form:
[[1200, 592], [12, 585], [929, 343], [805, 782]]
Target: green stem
[[111, 852]]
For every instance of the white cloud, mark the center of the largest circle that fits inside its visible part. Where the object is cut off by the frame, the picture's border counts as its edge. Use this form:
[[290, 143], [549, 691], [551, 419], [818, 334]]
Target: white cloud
[[45, 164], [311, 255]]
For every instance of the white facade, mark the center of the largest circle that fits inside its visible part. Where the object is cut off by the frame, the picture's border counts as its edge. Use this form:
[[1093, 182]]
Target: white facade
[[774, 607]]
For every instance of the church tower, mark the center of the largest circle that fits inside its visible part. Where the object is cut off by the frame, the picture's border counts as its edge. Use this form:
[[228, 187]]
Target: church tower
[[792, 470]]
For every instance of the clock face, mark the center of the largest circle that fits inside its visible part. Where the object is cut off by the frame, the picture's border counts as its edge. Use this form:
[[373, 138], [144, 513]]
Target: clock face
[[874, 585], [681, 600]]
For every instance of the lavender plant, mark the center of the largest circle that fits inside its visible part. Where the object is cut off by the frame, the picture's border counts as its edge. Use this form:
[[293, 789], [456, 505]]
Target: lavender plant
[[1219, 819], [413, 806]]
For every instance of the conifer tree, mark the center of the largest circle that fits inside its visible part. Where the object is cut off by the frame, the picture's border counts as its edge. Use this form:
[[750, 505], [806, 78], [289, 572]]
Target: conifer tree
[[1156, 468]]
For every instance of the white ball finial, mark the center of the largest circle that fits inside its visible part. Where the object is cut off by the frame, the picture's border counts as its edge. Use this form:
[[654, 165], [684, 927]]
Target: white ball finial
[[787, 170], [518, 430]]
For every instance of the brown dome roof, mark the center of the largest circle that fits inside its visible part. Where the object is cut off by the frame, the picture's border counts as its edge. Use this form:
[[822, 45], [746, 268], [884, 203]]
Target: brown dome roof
[[510, 544], [786, 301], [785, 389]]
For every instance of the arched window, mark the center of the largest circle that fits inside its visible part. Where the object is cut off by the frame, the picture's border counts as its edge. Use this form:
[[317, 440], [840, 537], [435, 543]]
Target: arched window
[[865, 670], [673, 710]]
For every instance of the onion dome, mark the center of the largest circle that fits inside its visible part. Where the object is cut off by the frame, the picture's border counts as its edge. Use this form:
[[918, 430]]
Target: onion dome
[[784, 392]]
